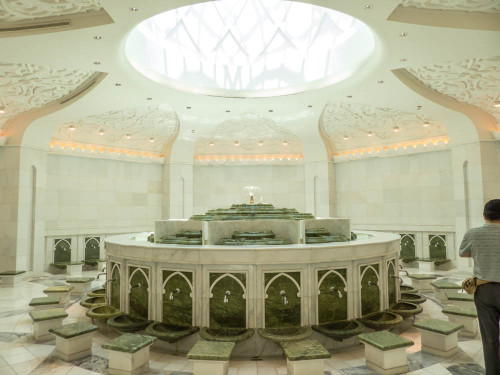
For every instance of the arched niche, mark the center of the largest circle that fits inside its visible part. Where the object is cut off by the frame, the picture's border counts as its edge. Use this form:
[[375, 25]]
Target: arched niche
[[62, 250], [282, 299], [115, 285], [177, 303], [138, 290], [391, 282], [332, 295], [370, 289], [228, 307]]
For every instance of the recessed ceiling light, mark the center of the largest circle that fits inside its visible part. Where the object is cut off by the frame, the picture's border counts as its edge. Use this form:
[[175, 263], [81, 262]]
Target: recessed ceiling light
[[134, 9], [284, 143], [261, 143], [496, 104], [149, 98], [349, 96], [309, 106], [403, 34], [72, 127], [188, 107], [370, 133], [395, 129], [236, 143], [101, 131], [227, 111], [426, 124], [118, 84], [368, 7], [380, 82], [211, 143], [97, 63], [98, 37], [403, 59], [270, 110], [2, 110], [128, 136], [346, 137], [151, 139], [192, 131]]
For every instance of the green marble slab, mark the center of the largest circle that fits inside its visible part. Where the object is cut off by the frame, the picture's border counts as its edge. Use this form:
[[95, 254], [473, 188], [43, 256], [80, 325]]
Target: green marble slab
[[422, 276], [460, 310], [72, 330], [41, 301], [129, 343], [304, 350], [80, 280], [11, 273], [445, 285], [59, 289], [65, 264], [385, 340], [438, 326], [211, 351], [42, 315], [455, 296]]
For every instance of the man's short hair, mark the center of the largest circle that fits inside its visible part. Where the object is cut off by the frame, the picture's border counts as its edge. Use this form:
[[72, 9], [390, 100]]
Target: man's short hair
[[492, 210]]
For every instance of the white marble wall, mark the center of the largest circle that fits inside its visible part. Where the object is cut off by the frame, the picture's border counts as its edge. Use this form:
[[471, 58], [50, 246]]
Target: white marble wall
[[217, 186]]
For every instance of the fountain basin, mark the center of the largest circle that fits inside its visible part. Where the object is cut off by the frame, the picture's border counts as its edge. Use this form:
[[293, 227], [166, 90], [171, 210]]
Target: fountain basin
[[102, 312], [101, 292], [341, 329], [381, 320], [226, 334], [169, 332], [413, 298], [405, 309], [407, 289], [285, 334], [90, 302], [128, 323]]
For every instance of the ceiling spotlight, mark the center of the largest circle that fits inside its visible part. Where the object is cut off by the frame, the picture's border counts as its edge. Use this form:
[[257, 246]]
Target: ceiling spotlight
[[188, 107], [134, 9], [346, 137], [149, 98], [98, 37], [496, 104], [284, 143], [118, 84], [128, 136], [403, 34], [192, 131], [368, 7], [395, 129], [349, 96], [227, 111], [419, 107], [403, 59], [72, 127], [101, 131], [211, 143], [426, 124], [261, 143], [151, 139], [370, 133], [236, 143], [2, 110], [270, 110], [380, 82], [309, 106], [97, 63]]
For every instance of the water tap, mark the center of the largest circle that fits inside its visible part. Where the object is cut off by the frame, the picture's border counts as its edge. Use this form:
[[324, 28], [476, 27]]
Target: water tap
[[228, 293], [177, 291]]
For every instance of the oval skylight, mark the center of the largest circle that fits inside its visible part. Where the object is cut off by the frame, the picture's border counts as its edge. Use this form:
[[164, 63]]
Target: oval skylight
[[249, 48]]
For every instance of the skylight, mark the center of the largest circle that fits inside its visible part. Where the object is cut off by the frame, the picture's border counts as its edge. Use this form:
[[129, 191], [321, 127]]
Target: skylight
[[250, 47]]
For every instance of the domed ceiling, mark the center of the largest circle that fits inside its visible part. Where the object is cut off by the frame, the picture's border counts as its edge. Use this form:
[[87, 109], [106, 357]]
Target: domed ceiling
[[487, 6], [17, 10]]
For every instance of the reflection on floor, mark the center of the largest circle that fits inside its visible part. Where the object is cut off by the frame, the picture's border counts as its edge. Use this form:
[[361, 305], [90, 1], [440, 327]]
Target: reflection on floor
[[20, 355]]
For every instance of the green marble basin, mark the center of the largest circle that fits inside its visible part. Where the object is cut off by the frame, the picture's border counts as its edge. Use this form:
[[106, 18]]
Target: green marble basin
[[97, 293], [253, 235], [102, 312], [226, 334], [340, 330], [128, 323], [285, 334], [407, 289], [413, 298], [317, 232], [405, 309], [189, 233], [169, 332], [90, 302], [381, 320]]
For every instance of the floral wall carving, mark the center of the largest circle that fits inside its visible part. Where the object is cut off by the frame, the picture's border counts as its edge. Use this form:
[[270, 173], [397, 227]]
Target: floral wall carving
[[146, 128], [473, 81], [24, 87], [18, 10], [255, 135], [487, 6], [356, 121]]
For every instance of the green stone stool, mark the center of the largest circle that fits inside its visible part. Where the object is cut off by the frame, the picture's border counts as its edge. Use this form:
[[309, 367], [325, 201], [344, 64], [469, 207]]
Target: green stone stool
[[385, 352], [304, 357], [210, 357], [460, 299], [73, 341], [72, 268], [441, 287], [81, 285], [128, 353], [11, 277], [62, 291], [439, 337], [44, 320], [467, 316], [45, 303], [422, 281], [426, 265]]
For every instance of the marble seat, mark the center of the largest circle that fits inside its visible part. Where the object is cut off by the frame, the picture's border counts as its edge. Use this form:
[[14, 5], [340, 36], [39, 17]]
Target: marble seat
[[460, 299], [73, 341], [441, 287], [439, 337], [467, 316], [430, 265], [422, 281], [385, 352], [72, 268], [129, 353], [45, 303], [210, 357], [81, 285], [304, 357], [62, 291], [44, 320], [11, 277]]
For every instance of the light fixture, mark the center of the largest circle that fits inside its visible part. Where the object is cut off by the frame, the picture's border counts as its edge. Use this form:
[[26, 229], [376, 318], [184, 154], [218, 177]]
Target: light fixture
[[403, 59], [192, 131], [270, 110], [97, 63], [134, 9], [368, 7], [284, 143], [349, 96], [149, 98], [151, 139], [380, 82], [346, 137], [211, 143], [227, 111], [261, 143], [403, 34], [236, 143], [2, 110], [496, 104], [188, 107], [128, 136], [309, 106], [101, 131], [426, 124], [72, 127], [98, 37], [395, 129], [118, 84], [370, 133], [419, 107]]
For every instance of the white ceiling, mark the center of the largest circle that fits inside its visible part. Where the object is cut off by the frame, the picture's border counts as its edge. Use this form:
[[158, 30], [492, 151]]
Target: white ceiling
[[435, 55]]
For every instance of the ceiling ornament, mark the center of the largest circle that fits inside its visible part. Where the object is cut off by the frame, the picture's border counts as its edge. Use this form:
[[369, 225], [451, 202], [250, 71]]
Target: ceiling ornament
[[147, 128], [486, 6], [248, 135], [473, 81], [24, 87], [354, 126], [18, 10]]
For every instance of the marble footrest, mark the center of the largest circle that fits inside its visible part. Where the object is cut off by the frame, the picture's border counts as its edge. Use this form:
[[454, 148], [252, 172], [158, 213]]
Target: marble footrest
[[441, 287], [466, 316], [44, 320], [11, 277], [81, 285], [45, 303], [305, 357], [460, 299], [210, 357], [128, 353], [73, 341], [422, 281], [439, 337], [62, 291]]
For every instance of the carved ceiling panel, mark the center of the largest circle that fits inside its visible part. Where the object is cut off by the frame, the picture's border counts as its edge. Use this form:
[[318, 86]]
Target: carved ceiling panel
[[367, 126], [146, 128], [18, 10], [24, 87], [248, 134], [473, 81], [486, 6]]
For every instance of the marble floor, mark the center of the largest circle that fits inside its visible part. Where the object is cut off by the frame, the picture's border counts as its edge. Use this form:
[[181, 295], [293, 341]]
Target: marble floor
[[20, 355]]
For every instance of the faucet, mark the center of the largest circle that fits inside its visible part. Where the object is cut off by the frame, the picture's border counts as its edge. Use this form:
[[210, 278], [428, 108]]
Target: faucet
[[332, 289], [102, 273], [110, 280], [402, 270], [398, 277], [138, 285], [283, 295], [177, 291], [228, 293]]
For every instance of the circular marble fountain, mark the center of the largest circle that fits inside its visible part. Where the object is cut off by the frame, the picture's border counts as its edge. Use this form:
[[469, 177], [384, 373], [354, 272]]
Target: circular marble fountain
[[233, 279]]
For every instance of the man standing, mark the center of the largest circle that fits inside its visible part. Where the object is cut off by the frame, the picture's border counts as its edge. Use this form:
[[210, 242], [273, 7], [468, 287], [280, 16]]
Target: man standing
[[483, 245]]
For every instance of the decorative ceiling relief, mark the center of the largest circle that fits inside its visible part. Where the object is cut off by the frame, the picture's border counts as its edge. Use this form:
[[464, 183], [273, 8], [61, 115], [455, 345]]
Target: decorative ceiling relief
[[352, 126], [147, 128], [24, 87], [18, 10], [486, 6], [473, 81], [248, 135]]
